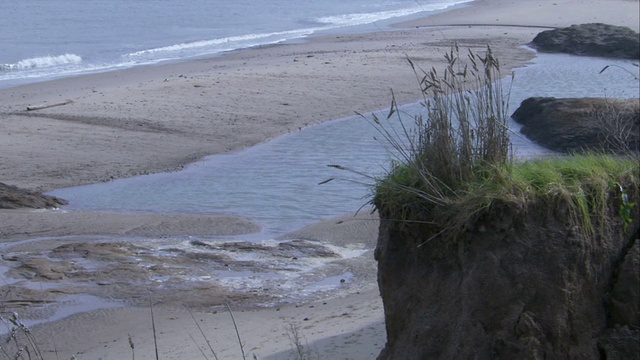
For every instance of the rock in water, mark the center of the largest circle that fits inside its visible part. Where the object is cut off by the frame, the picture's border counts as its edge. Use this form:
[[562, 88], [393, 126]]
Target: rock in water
[[576, 124], [591, 39]]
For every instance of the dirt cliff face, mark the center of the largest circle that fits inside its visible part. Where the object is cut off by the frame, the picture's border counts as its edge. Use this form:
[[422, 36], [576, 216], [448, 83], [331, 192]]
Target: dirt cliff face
[[520, 283]]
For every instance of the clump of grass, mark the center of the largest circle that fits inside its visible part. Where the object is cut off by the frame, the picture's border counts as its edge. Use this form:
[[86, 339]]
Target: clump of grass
[[18, 343], [301, 350], [620, 127], [465, 124], [582, 183], [455, 160], [585, 183], [461, 136]]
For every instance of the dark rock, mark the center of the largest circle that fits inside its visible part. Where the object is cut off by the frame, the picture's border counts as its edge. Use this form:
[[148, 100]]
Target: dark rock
[[624, 315], [591, 39], [12, 197], [577, 124], [300, 248], [615, 344], [287, 249], [625, 296], [519, 283]]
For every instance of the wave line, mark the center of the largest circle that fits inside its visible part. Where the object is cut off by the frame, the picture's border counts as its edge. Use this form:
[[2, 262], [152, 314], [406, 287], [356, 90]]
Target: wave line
[[43, 62]]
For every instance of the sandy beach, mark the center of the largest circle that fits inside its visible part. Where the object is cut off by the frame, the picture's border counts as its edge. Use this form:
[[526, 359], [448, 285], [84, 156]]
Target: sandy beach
[[160, 118]]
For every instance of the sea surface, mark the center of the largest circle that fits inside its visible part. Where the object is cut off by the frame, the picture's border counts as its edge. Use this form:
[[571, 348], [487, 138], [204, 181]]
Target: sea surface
[[44, 39]]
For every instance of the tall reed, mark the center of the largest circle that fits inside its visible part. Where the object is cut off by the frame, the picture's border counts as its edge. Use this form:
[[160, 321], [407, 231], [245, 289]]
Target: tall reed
[[455, 159], [462, 132], [18, 343]]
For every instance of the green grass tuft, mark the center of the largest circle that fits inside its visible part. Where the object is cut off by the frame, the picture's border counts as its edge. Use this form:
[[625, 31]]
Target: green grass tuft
[[455, 161]]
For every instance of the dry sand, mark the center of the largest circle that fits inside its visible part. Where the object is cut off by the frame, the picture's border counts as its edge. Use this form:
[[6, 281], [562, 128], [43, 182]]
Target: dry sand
[[159, 118]]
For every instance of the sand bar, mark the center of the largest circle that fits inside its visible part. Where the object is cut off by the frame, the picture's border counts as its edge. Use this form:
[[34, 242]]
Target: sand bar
[[159, 118]]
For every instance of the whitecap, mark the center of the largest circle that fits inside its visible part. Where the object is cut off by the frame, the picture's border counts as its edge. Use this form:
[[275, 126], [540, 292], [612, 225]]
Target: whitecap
[[43, 62], [254, 39], [368, 18]]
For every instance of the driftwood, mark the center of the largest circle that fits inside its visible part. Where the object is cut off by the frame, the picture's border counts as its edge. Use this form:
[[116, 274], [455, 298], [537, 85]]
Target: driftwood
[[44, 106]]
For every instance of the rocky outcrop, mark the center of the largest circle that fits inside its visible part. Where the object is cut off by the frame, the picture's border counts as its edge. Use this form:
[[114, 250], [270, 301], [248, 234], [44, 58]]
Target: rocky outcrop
[[576, 124], [12, 197], [591, 39], [519, 283], [623, 303], [625, 295]]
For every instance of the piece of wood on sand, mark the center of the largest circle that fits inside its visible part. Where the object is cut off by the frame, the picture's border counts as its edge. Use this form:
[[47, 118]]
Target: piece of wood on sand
[[45, 106]]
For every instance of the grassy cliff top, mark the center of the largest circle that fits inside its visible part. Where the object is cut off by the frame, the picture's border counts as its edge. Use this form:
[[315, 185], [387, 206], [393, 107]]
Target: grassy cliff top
[[455, 160]]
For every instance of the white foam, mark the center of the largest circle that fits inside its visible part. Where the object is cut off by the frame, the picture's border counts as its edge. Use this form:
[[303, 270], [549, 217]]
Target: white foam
[[240, 40], [368, 18], [43, 62]]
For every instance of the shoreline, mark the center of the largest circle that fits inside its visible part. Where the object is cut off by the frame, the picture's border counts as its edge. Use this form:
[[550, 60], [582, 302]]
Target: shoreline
[[136, 107], [536, 14], [163, 117], [323, 27], [128, 103]]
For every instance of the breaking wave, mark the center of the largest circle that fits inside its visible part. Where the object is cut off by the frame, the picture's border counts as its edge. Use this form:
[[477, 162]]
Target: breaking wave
[[43, 62], [230, 43], [368, 18]]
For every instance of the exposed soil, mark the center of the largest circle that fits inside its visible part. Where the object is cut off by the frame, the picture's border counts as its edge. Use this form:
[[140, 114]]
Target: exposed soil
[[521, 282]]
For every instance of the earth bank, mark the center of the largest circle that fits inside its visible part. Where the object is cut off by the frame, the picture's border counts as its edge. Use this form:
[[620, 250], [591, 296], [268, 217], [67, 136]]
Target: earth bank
[[520, 282], [522, 277]]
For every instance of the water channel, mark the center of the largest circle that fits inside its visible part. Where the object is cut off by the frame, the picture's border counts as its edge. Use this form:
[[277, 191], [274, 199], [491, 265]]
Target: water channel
[[276, 184]]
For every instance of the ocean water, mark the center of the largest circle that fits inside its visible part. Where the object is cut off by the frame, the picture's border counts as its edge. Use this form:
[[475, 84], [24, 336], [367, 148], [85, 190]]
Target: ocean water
[[56, 38]]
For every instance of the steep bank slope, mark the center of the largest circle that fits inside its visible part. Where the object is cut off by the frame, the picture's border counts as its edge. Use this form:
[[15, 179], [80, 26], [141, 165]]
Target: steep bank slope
[[521, 281]]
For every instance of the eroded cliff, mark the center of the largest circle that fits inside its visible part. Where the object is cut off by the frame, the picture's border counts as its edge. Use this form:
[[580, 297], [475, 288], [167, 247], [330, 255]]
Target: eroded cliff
[[522, 281]]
